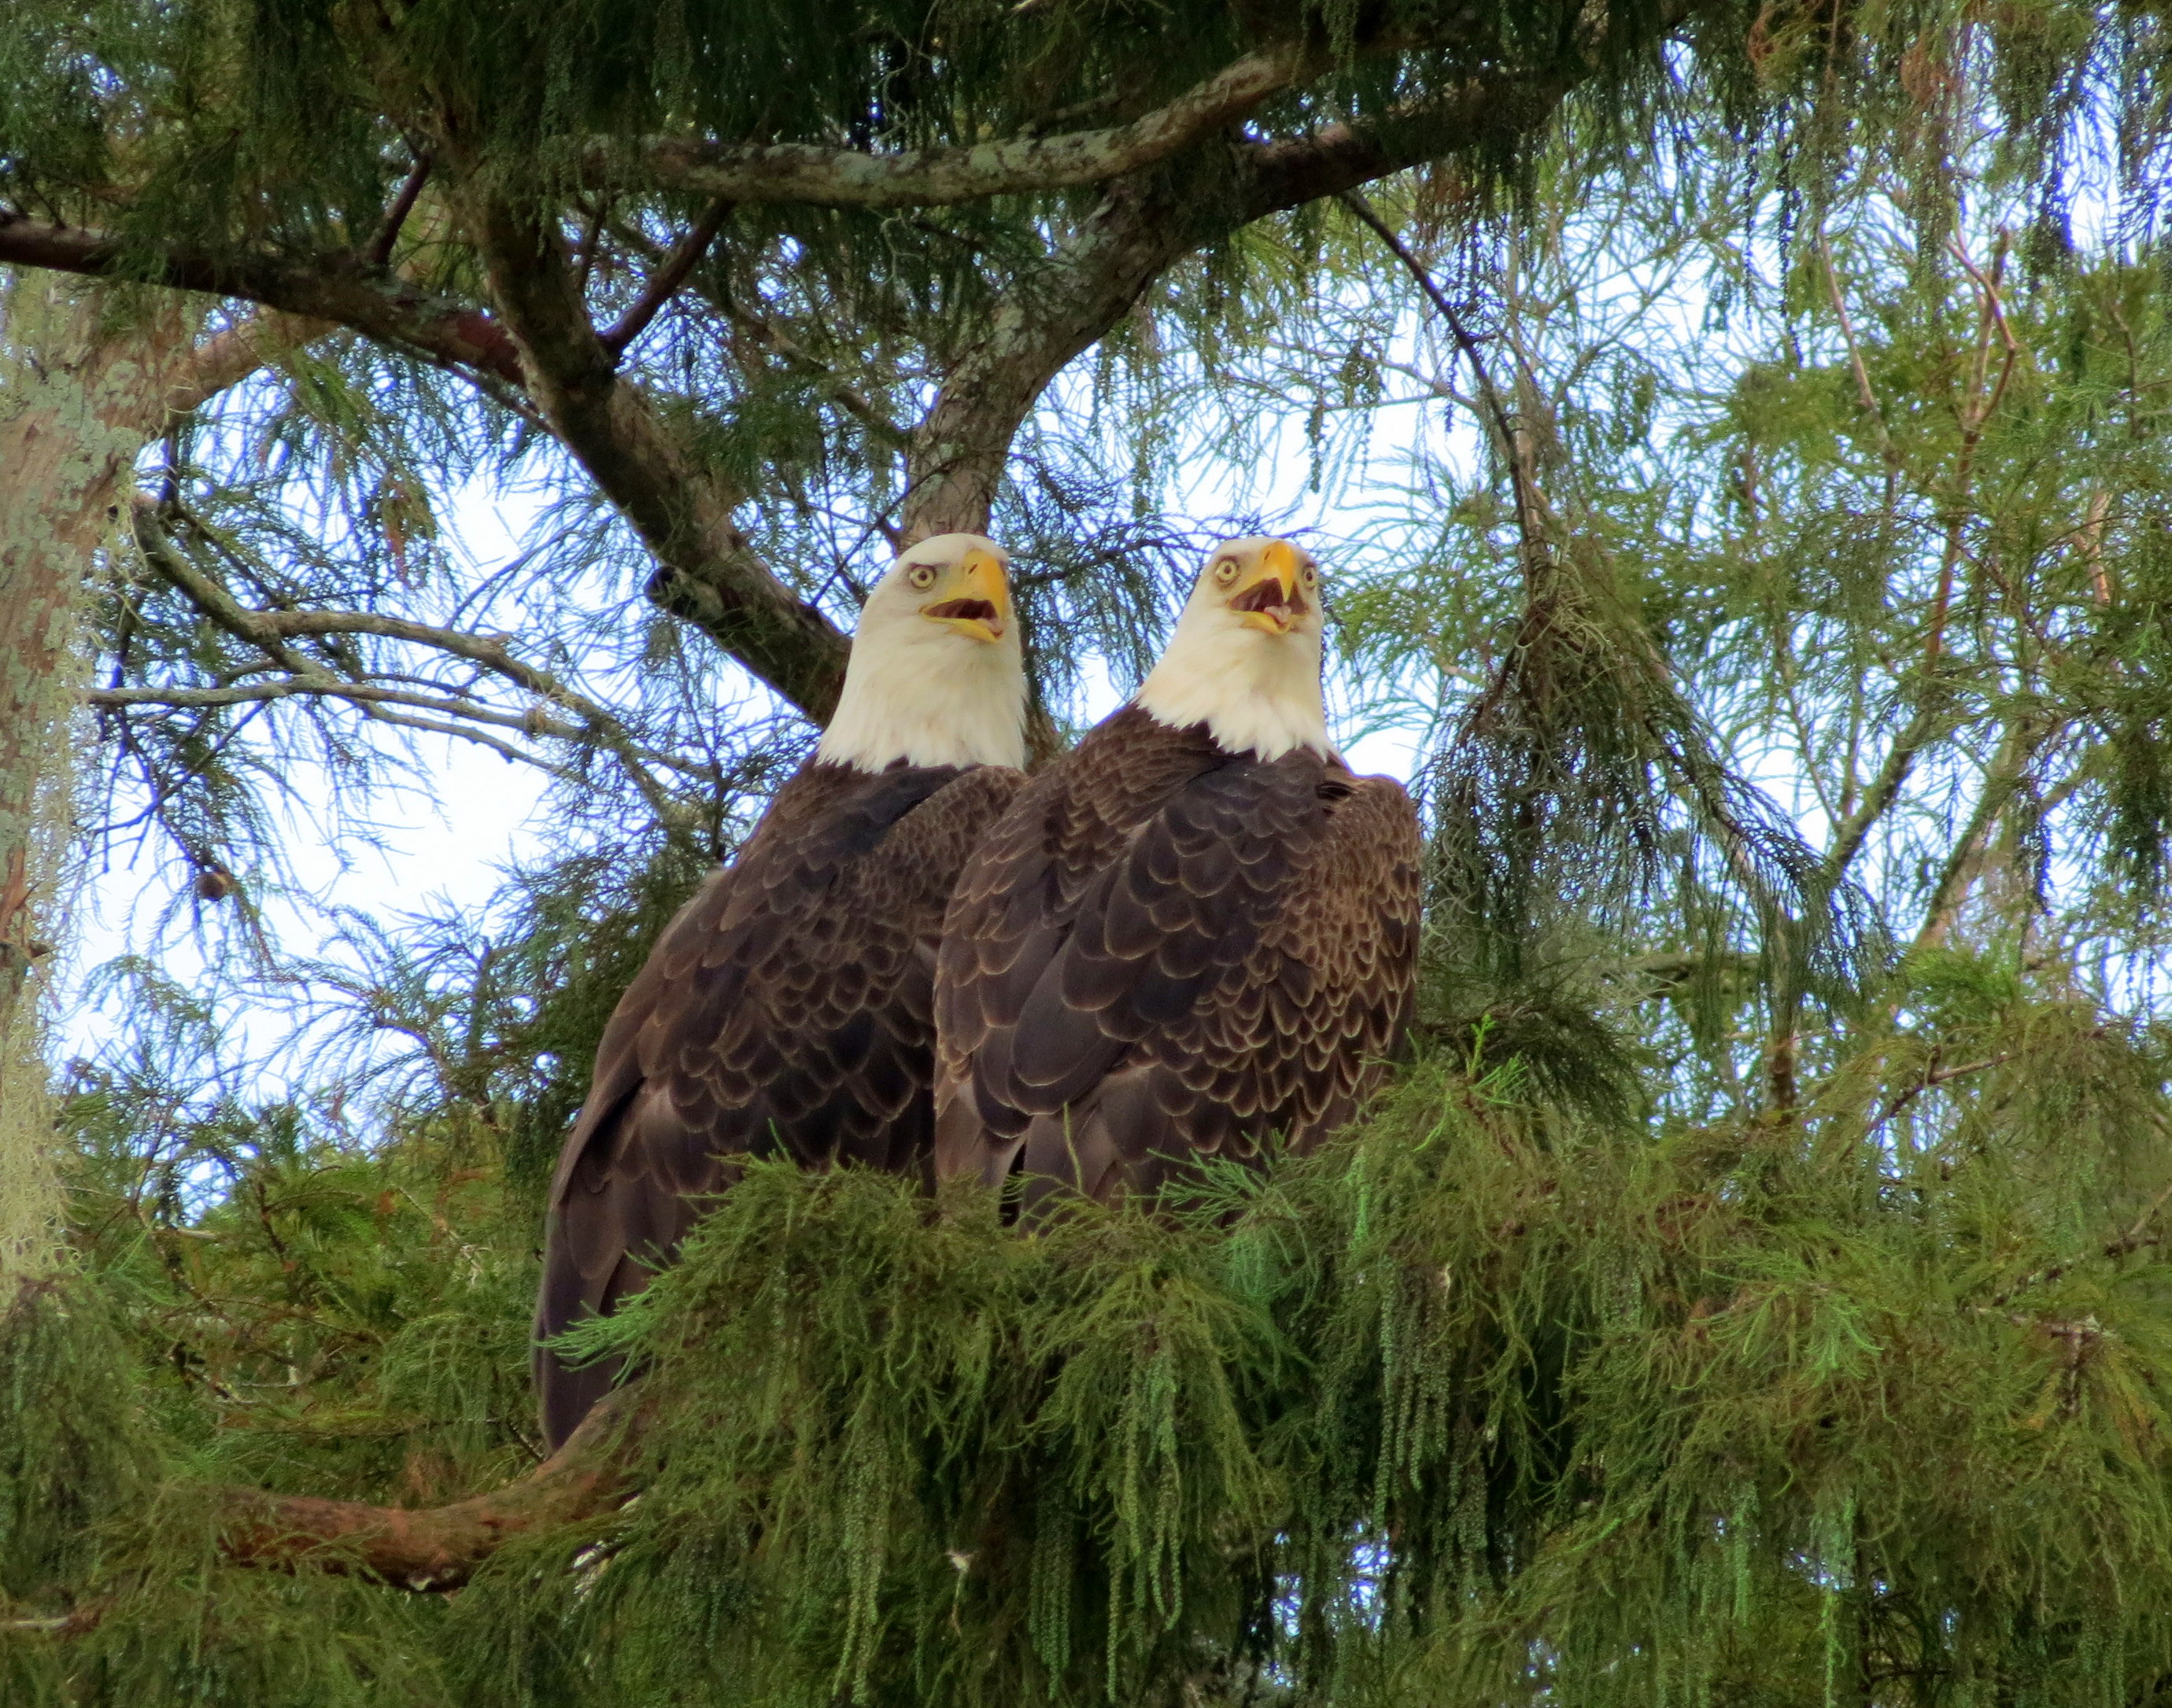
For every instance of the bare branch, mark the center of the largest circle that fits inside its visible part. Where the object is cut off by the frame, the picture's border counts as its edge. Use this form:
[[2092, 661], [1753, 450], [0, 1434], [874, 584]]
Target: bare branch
[[329, 688], [403, 204], [708, 570], [438, 1548], [1533, 514], [1965, 865], [1885, 788], [1933, 1076], [269, 631]]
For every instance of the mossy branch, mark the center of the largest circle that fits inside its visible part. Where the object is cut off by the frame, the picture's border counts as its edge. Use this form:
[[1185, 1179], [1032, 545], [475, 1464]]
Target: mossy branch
[[439, 1548]]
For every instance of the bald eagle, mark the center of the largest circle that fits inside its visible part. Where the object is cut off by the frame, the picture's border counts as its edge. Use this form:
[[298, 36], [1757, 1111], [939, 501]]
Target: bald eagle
[[1194, 934], [786, 1009]]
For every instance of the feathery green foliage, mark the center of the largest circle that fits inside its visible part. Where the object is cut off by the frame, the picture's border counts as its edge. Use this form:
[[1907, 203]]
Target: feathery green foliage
[[1478, 1399]]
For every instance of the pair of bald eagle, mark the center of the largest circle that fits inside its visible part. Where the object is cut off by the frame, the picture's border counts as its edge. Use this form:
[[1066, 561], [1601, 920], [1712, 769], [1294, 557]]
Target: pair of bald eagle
[[1193, 934]]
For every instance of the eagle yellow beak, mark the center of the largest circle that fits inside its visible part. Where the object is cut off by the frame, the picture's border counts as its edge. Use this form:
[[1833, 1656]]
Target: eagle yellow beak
[[1267, 597], [977, 601]]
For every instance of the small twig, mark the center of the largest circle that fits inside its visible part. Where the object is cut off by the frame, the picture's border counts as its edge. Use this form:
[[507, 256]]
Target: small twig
[[664, 282], [1933, 1077], [2139, 1235], [1979, 410], [2133, 1239], [77, 1622], [380, 247], [1887, 450], [854, 402], [1529, 501]]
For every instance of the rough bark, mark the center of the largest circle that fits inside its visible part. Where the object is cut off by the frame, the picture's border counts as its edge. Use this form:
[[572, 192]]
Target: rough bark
[[341, 289], [1145, 224], [1179, 178], [438, 1548], [809, 173]]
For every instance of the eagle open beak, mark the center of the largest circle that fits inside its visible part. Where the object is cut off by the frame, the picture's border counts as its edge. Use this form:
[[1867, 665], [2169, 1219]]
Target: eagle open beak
[[982, 605], [1267, 598]]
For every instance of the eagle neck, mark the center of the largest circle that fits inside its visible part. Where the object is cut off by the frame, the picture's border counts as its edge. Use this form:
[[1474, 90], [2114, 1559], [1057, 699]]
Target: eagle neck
[[1257, 694], [926, 697]]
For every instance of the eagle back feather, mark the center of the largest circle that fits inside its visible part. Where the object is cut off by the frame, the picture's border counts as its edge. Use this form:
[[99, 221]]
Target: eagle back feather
[[1164, 950], [788, 1007]]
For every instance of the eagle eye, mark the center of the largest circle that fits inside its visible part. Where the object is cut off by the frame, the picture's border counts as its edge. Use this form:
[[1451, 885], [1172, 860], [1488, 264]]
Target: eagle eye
[[1225, 571], [921, 576], [1311, 575]]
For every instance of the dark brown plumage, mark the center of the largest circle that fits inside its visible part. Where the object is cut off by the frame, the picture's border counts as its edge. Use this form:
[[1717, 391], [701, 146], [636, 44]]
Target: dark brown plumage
[[788, 1008], [1163, 951]]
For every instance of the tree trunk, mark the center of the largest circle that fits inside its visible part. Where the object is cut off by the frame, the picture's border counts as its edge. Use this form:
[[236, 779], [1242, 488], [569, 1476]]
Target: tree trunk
[[82, 391]]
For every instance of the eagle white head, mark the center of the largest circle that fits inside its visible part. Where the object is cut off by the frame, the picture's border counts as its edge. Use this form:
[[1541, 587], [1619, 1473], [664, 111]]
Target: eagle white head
[[936, 676], [1245, 658]]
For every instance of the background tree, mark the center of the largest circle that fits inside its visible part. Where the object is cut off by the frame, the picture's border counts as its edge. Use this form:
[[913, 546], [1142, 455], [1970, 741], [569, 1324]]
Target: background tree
[[1740, 431]]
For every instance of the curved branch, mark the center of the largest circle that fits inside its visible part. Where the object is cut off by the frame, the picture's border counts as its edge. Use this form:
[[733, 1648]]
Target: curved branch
[[805, 172], [438, 1548], [269, 632]]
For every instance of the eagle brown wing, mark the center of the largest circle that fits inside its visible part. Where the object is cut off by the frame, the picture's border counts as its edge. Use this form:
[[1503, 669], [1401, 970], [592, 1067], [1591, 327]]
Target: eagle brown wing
[[1016, 904], [788, 1008], [1296, 1038], [1237, 969]]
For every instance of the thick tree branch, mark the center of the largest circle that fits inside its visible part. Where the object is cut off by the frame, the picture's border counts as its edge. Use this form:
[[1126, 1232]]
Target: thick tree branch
[[336, 288], [1150, 220], [230, 357], [1503, 106], [808, 173], [439, 1548], [707, 571], [1146, 221]]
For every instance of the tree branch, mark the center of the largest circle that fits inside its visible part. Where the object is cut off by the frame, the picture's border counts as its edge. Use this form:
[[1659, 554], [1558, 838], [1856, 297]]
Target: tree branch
[[1150, 219], [1933, 1076], [230, 356], [270, 631], [829, 177], [403, 204], [707, 571], [664, 284], [1534, 515], [1965, 865], [1850, 836], [336, 288], [438, 1548]]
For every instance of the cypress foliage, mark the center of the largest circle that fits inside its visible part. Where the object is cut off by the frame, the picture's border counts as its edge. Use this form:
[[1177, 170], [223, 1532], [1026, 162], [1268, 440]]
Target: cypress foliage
[[1481, 1401]]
